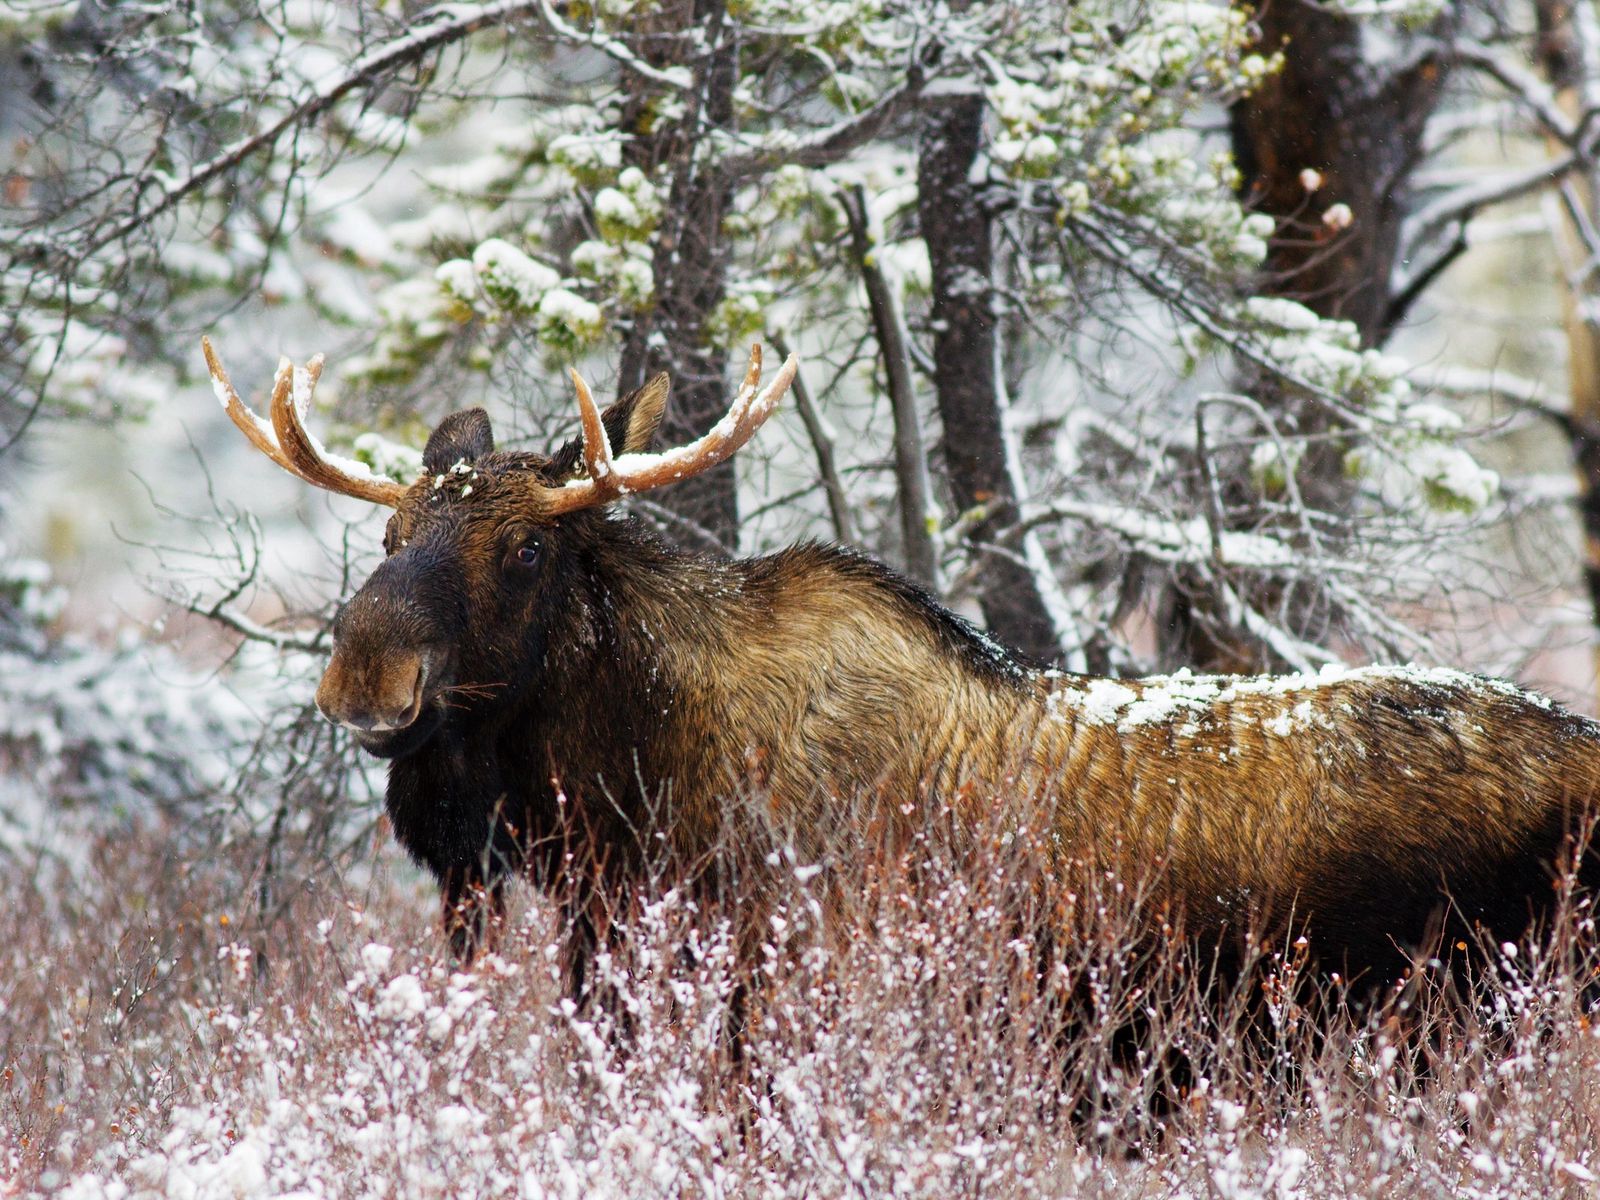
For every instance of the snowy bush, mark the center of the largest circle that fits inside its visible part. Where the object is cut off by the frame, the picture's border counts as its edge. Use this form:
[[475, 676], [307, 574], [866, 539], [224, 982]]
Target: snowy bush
[[930, 1046], [118, 734]]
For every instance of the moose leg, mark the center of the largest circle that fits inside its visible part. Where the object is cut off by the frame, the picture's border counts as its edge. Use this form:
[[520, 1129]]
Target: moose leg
[[474, 913], [582, 944]]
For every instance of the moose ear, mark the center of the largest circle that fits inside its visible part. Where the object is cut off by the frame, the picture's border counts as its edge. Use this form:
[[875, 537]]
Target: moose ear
[[460, 436], [631, 422]]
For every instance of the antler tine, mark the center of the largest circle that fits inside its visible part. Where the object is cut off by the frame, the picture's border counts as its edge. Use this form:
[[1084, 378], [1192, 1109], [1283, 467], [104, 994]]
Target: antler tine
[[597, 458], [252, 426], [752, 376], [309, 458], [641, 472], [288, 443]]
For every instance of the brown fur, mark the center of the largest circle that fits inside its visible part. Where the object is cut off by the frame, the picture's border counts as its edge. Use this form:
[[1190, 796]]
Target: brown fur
[[641, 687]]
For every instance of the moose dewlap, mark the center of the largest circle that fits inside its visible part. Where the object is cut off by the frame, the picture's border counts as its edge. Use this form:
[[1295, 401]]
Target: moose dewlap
[[541, 670]]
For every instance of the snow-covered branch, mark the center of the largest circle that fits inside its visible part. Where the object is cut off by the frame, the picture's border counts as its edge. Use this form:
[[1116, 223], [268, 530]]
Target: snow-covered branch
[[1583, 226], [1523, 393], [1189, 542], [1531, 92], [678, 80], [251, 630], [820, 147], [1462, 203], [1298, 653], [430, 31]]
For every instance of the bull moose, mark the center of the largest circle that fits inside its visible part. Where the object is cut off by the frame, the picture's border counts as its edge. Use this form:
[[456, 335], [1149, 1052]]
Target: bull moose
[[526, 651]]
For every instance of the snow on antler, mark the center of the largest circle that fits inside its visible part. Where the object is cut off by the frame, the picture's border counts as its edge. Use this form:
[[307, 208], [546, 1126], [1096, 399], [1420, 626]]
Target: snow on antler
[[285, 439], [610, 477]]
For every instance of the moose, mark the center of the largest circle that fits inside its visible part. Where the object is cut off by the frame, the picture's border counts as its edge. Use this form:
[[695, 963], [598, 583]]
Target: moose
[[527, 653]]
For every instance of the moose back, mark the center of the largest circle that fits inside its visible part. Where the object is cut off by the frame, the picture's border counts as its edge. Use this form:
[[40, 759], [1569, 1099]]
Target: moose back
[[531, 661]]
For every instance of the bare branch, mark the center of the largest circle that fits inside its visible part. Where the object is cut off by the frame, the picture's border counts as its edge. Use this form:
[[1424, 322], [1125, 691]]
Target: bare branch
[[910, 460], [694, 529], [822, 445], [1291, 485], [1108, 246]]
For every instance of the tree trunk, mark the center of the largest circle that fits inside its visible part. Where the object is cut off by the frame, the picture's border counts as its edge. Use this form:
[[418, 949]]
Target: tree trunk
[[910, 459], [1569, 54], [971, 404], [1358, 127], [690, 258]]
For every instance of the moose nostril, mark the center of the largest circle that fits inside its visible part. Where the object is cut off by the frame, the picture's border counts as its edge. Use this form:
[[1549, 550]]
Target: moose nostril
[[364, 721], [341, 714], [324, 708]]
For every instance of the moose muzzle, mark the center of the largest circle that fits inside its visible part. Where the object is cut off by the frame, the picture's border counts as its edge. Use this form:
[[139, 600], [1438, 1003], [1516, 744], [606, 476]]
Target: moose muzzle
[[390, 660], [373, 693]]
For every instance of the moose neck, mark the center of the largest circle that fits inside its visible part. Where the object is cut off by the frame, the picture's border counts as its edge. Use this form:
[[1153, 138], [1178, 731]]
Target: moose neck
[[639, 672]]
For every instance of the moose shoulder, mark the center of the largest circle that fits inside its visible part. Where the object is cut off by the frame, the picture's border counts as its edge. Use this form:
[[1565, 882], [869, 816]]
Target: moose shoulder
[[531, 661]]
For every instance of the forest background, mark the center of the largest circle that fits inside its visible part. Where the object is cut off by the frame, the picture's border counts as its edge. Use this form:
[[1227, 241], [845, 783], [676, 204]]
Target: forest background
[[1149, 335]]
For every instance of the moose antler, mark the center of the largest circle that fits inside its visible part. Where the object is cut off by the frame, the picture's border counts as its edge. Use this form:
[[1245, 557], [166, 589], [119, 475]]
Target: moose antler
[[288, 443], [611, 477]]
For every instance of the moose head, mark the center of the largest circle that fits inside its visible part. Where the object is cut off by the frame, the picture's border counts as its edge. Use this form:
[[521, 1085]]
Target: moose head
[[480, 551]]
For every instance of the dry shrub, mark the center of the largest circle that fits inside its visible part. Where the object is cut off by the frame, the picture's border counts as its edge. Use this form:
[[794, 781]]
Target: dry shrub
[[937, 1022]]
